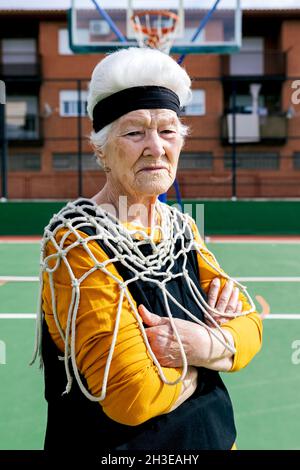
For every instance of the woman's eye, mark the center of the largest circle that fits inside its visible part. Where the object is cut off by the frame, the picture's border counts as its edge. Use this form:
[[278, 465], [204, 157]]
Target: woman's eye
[[167, 131], [133, 133]]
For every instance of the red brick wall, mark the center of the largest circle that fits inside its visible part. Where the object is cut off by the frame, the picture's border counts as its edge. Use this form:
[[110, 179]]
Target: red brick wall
[[59, 131]]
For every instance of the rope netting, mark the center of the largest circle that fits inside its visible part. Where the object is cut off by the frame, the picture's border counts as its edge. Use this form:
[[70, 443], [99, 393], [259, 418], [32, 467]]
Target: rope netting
[[155, 28], [126, 245]]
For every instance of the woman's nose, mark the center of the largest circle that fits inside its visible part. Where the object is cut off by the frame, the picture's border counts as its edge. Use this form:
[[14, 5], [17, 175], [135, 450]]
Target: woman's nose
[[154, 145]]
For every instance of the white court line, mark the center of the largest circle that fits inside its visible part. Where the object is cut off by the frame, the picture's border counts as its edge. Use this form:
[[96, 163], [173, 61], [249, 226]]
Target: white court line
[[251, 242], [19, 278], [271, 316], [20, 242], [208, 239], [269, 279], [13, 316], [282, 316], [241, 279]]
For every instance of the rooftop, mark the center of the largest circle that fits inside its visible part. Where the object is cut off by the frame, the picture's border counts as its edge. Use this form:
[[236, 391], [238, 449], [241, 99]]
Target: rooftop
[[61, 5]]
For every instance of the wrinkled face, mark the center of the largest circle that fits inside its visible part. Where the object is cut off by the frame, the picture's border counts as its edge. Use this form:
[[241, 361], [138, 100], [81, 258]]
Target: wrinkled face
[[142, 151]]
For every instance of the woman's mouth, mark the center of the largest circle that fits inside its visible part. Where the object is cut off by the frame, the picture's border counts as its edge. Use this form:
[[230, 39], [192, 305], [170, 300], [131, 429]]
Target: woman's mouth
[[156, 168]]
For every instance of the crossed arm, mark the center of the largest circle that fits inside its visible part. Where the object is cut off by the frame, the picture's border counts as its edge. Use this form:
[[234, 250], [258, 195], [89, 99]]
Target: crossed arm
[[201, 347], [135, 391]]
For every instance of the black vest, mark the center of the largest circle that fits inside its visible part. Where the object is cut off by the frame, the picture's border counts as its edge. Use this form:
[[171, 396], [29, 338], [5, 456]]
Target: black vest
[[204, 421]]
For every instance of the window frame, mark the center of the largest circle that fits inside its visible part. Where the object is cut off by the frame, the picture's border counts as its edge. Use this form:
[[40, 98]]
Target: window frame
[[63, 42], [73, 102], [192, 108]]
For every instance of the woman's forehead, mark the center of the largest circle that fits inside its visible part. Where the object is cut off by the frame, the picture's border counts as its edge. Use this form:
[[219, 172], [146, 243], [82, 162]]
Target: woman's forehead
[[146, 116]]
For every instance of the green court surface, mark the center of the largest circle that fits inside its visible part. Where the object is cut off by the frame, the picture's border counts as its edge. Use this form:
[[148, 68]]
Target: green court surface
[[265, 394]]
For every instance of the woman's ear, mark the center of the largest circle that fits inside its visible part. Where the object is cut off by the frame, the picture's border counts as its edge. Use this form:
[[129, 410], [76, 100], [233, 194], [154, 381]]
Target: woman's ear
[[102, 162], [98, 152], [99, 160], [99, 155]]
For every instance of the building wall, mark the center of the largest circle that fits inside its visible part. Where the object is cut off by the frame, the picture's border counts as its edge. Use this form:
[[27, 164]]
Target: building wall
[[60, 134]]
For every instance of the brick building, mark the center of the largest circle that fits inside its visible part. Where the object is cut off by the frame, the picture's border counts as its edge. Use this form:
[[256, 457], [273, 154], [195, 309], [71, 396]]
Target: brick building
[[47, 129]]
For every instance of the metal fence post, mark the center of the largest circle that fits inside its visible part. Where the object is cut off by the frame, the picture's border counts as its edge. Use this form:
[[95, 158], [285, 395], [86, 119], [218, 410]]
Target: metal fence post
[[79, 138], [233, 154], [3, 142]]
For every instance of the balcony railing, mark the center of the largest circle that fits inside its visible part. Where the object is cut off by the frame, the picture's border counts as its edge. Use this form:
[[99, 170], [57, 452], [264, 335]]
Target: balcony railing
[[254, 129], [254, 63], [20, 64], [24, 129]]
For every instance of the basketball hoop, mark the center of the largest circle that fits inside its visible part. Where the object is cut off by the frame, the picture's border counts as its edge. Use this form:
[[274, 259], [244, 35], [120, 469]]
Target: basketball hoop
[[155, 28]]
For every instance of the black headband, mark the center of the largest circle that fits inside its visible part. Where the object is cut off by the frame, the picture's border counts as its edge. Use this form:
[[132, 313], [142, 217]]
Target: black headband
[[140, 97]]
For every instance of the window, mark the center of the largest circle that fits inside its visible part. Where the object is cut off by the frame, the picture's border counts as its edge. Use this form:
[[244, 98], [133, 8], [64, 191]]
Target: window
[[193, 160], [69, 162], [243, 104], [254, 161], [22, 117], [297, 161], [19, 57], [19, 51], [197, 106], [63, 42], [250, 59], [24, 162], [99, 28], [68, 103]]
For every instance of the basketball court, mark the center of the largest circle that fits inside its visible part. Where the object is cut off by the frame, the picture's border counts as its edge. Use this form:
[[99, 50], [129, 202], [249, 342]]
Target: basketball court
[[265, 394]]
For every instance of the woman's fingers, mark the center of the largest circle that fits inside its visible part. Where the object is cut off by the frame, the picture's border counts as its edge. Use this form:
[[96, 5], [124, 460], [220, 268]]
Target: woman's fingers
[[239, 308], [149, 318], [224, 297], [233, 301], [225, 302], [213, 292]]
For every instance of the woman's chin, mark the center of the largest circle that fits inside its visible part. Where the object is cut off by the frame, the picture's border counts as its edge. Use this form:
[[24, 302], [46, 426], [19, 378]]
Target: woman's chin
[[154, 190], [155, 187]]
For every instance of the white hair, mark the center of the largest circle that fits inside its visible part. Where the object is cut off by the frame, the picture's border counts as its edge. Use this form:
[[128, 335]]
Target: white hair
[[132, 67]]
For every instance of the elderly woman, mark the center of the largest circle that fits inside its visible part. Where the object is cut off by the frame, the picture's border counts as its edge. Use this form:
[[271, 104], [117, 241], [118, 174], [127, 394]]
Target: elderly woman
[[137, 318]]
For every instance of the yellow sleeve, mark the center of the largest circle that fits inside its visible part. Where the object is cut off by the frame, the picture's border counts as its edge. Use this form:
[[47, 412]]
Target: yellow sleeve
[[135, 391], [246, 330]]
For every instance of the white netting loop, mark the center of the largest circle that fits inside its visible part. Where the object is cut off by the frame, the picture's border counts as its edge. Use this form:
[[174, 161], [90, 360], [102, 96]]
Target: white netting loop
[[156, 268], [155, 28]]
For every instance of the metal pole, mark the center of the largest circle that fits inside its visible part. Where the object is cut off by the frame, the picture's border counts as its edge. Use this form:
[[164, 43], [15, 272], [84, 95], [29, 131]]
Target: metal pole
[[178, 195], [233, 156], [110, 21], [200, 28], [3, 143], [79, 138]]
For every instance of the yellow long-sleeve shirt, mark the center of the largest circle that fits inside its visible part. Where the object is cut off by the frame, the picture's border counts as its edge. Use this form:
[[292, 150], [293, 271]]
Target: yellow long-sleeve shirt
[[246, 330], [135, 392]]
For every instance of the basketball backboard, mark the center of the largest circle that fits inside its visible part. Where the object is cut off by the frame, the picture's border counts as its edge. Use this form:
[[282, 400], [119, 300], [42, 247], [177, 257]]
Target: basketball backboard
[[97, 26]]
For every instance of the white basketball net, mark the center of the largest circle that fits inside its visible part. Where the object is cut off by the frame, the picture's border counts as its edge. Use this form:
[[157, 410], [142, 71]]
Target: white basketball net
[[174, 226], [151, 31]]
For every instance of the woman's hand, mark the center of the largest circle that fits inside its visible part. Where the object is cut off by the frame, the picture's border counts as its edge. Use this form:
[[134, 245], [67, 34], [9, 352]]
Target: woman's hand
[[225, 302], [202, 349], [163, 341]]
